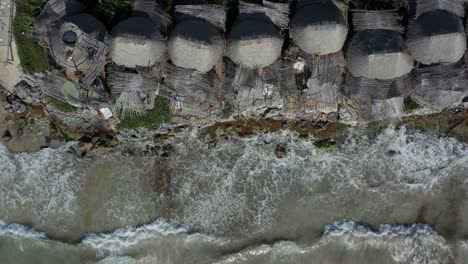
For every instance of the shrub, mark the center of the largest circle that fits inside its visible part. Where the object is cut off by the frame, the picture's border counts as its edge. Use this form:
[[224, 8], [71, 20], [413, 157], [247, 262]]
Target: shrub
[[31, 55], [410, 105], [152, 119], [62, 106]]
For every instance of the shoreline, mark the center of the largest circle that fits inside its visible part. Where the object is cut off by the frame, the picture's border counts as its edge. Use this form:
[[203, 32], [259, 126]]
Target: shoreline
[[40, 125]]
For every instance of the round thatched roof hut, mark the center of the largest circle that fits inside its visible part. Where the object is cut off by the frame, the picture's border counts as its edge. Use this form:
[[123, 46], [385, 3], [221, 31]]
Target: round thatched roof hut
[[195, 43], [437, 37], [319, 27], [255, 39], [377, 50], [68, 40], [136, 41], [53, 11]]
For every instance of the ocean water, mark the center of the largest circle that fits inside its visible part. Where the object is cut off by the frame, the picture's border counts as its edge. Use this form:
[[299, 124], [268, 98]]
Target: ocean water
[[398, 198]]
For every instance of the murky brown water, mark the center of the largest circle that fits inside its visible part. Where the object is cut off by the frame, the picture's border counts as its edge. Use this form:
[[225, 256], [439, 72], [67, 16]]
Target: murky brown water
[[236, 202]]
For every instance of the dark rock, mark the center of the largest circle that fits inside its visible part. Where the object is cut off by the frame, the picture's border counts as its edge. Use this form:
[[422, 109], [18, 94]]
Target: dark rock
[[27, 93], [392, 152], [7, 136], [14, 104], [166, 150], [281, 150], [325, 143]]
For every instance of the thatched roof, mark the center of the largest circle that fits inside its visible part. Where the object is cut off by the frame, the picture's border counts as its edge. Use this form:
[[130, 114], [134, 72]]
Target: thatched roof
[[437, 37], [255, 39], [76, 44], [453, 6], [441, 86], [377, 50], [372, 89], [253, 89], [197, 42], [153, 10], [382, 19], [318, 27], [57, 86], [53, 11], [136, 41], [89, 25], [134, 93], [195, 92]]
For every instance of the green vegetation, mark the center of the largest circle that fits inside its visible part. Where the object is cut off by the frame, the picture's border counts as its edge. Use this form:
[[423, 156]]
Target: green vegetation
[[62, 106], [31, 55], [228, 109], [160, 114], [112, 8], [410, 105]]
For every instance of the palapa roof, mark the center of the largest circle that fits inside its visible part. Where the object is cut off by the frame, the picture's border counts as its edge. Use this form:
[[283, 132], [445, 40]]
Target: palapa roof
[[251, 89], [196, 92], [255, 39], [57, 86], [441, 86], [437, 37], [197, 41], [134, 93], [453, 6], [319, 27], [89, 25], [137, 41], [76, 43], [377, 50], [53, 11], [153, 10]]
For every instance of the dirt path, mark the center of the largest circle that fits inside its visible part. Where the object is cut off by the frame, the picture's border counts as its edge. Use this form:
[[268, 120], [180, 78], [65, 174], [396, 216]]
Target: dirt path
[[10, 72]]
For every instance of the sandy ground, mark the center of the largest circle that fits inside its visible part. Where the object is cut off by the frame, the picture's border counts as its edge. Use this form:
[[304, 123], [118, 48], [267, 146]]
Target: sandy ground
[[10, 72]]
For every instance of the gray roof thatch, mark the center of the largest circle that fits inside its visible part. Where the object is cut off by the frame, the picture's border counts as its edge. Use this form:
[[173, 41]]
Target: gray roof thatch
[[255, 39], [53, 11], [196, 93], [153, 10], [137, 41], [253, 89], [441, 86], [319, 27], [76, 43], [134, 93], [378, 99], [453, 6], [197, 42], [58, 87], [437, 37], [377, 50]]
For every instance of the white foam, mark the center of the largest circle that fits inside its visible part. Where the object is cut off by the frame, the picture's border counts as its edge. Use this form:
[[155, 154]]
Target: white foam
[[238, 185], [18, 230], [123, 238]]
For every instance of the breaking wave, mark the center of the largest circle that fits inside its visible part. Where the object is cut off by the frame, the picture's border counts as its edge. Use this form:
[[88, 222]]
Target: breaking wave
[[235, 201]]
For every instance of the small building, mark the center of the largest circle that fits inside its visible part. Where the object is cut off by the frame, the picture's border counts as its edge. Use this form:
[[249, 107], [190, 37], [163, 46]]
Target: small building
[[76, 40], [137, 41], [53, 11], [440, 86], [134, 92], [251, 92], [377, 49], [197, 41], [319, 27], [194, 95], [77, 45], [255, 40], [436, 34]]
